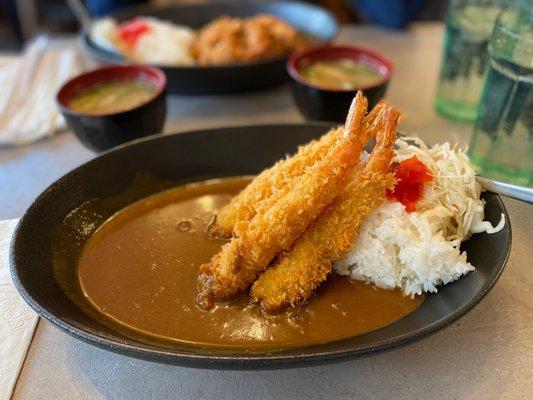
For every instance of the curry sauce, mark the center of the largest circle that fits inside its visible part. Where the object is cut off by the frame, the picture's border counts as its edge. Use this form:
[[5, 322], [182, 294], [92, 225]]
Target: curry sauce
[[139, 270]]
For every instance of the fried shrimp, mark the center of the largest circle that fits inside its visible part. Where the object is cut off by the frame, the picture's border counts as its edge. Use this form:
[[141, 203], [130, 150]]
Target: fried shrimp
[[296, 274], [258, 194], [243, 206], [268, 233]]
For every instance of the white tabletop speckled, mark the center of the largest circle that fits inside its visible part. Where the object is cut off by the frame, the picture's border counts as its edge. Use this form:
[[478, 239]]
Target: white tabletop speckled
[[487, 355]]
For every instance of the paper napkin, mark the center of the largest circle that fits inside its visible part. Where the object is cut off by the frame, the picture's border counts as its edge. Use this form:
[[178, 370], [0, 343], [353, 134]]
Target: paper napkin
[[29, 83], [17, 320]]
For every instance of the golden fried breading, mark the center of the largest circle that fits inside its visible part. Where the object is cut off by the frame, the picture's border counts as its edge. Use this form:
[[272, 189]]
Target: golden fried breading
[[243, 206], [296, 274], [220, 42], [258, 241], [227, 40], [269, 37], [259, 194]]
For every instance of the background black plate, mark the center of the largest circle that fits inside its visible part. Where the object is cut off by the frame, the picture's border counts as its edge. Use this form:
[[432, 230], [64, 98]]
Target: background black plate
[[210, 153], [309, 19]]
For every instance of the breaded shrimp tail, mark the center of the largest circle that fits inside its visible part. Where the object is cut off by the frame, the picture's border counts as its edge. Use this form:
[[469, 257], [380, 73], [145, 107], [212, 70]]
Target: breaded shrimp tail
[[275, 180], [273, 230], [296, 274]]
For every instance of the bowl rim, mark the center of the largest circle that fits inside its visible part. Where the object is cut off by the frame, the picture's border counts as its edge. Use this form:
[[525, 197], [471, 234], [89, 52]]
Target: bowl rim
[[239, 361], [107, 73], [328, 49]]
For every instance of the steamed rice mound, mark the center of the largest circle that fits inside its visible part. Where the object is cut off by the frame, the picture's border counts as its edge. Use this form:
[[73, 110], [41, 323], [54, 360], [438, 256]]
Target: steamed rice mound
[[404, 250], [165, 44], [419, 251]]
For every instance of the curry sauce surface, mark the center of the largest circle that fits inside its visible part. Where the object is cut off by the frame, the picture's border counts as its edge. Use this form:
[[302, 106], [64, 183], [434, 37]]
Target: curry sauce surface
[[139, 269]]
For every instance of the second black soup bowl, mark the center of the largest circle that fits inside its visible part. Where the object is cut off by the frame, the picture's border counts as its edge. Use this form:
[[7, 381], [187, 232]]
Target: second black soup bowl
[[103, 131], [328, 104]]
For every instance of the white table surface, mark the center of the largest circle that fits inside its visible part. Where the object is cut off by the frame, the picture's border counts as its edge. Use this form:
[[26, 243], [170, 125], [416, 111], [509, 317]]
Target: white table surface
[[487, 355]]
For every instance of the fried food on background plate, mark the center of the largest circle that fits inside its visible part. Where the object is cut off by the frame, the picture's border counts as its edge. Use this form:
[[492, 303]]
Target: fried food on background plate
[[228, 40], [273, 230], [296, 273]]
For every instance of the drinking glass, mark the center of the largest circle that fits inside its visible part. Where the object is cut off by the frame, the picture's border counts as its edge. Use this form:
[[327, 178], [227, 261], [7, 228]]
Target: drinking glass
[[502, 144], [469, 25]]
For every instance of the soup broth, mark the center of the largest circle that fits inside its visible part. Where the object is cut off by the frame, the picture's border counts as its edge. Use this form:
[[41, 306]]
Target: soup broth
[[344, 74], [112, 97]]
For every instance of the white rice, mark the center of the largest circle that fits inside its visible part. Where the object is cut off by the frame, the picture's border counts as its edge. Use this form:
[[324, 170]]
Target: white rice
[[165, 44], [104, 33], [418, 251]]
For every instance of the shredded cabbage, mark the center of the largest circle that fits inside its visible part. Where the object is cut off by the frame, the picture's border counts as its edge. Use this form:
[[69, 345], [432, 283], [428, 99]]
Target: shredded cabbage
[[453, 187], [418, 251]]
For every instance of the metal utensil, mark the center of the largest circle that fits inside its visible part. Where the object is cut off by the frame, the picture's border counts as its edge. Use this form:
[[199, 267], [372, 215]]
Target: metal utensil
[[521, 193], [81, 13]]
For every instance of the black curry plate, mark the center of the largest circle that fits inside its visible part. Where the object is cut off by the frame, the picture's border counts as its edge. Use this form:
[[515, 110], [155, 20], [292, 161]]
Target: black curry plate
[[311, 20], [213, 153]]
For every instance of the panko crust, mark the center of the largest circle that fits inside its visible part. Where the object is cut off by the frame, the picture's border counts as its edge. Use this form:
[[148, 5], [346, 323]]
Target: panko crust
[[295, 274], [268, 233]]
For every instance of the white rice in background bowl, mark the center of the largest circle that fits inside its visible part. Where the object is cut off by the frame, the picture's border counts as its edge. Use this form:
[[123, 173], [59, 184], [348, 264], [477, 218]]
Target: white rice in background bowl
[[165, 43], [418, 251], [104, 33]]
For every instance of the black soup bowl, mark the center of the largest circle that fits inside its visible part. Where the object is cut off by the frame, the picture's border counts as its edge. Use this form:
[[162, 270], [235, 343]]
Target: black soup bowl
[[103, 131], [200, 155], [328, 104]]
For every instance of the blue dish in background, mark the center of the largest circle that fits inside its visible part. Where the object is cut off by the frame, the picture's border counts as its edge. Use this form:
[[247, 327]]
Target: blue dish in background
[[308, 19]]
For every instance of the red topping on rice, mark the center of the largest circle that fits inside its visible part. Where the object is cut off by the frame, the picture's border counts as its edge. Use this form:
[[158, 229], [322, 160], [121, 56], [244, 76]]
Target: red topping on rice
[[131, 31], [411, 175]]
